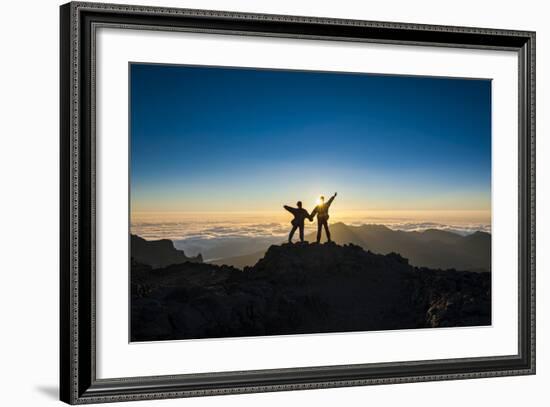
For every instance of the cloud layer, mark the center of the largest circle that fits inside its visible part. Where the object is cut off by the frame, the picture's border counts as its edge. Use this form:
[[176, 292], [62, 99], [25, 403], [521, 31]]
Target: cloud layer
[[216, 230]]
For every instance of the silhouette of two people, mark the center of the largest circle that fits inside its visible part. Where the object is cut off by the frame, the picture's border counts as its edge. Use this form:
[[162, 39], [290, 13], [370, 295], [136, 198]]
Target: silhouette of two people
[[300, 215]]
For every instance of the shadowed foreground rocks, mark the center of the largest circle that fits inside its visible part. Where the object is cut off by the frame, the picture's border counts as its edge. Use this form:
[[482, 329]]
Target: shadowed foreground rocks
[[303, 288]]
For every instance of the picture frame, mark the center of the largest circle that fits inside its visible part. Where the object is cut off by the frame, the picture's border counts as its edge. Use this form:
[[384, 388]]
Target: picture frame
[[79, 382]]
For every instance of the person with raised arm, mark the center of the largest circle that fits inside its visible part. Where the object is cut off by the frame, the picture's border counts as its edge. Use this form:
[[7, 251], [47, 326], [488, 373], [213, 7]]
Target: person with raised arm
[[321, 210]]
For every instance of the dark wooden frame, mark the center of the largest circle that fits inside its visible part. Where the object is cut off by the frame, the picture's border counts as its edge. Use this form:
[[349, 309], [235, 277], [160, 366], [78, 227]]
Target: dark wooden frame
[[78, 382]]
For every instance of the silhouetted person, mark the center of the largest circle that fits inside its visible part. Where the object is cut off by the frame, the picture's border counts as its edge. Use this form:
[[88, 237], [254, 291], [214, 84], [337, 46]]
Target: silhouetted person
[[321, 211], [300, 215]]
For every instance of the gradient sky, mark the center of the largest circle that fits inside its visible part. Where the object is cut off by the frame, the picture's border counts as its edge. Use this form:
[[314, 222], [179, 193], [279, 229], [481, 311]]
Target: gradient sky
[[207, 139]]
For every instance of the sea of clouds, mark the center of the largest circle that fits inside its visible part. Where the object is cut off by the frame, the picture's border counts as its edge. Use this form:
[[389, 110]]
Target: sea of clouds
[[215, 239], [208, 230], [461, 229], [223, 229]]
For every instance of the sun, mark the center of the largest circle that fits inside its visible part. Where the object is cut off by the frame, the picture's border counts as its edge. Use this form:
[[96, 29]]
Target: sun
[[319, 201]]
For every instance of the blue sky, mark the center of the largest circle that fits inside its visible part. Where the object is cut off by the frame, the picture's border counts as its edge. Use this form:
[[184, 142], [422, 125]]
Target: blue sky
[[233, 139]]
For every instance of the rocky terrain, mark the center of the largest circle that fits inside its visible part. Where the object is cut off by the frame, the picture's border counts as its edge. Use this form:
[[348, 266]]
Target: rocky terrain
[[303, 288]]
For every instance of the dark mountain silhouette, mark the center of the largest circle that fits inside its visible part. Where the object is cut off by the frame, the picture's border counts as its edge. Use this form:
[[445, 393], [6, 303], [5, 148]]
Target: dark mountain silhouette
[[430, 248], [442, 236], [241, 262], [158, 253], [303, 288]]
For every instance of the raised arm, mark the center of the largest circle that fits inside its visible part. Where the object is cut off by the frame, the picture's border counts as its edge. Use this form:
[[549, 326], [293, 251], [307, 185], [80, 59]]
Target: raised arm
[[332, 198]]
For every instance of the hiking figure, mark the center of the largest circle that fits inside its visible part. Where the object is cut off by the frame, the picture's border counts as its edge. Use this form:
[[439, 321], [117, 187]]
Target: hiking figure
[[300, 215], [321, 211]]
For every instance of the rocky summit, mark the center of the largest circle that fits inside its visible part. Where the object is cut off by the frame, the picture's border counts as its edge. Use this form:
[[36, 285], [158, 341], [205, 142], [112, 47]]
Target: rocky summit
[[303, 288]]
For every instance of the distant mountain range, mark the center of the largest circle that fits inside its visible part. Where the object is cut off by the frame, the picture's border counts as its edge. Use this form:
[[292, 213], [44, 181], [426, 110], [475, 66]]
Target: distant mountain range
[[158, 253], [431, 248], [304, 288]]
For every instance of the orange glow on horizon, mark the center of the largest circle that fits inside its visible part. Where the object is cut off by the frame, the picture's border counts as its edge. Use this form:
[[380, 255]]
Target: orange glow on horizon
[[336, 215]]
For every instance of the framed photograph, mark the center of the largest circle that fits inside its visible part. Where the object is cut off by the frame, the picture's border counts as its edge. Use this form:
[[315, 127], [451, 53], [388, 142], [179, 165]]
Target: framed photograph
[[255, 203]]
